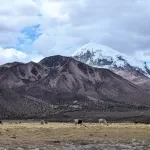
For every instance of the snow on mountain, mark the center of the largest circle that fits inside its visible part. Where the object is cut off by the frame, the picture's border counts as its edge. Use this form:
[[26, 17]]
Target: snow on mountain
[[101, 56]]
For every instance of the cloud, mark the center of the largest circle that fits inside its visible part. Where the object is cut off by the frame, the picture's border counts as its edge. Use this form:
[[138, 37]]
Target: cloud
[[122, 25], [48, 44], [11, 54], [59, 27], [36, 57], [143, 55], [14, 16]]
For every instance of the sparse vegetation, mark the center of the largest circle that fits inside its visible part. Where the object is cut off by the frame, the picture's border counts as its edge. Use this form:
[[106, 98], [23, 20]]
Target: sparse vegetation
[[36, 134]]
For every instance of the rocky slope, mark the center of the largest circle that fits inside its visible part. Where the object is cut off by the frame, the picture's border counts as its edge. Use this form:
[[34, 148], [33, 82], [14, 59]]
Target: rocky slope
[[57, 85], [128, 67]]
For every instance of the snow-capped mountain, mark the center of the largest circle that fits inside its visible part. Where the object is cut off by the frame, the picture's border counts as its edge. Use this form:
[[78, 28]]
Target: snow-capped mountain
[[101, 56]]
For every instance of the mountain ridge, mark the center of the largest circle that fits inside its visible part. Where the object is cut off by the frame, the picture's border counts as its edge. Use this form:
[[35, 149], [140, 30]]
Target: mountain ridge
[[101, 56], [58, 85]]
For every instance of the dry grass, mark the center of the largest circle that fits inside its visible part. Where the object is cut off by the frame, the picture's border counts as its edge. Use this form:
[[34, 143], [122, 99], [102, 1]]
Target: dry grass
[[53, 133]]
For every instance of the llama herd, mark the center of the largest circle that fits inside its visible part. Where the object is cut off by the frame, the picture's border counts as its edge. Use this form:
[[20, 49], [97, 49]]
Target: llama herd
[[79, 122], [76, 122]]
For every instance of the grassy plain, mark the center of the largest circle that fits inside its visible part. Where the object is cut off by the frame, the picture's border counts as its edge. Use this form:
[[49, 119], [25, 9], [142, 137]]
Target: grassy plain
[[24, 134]]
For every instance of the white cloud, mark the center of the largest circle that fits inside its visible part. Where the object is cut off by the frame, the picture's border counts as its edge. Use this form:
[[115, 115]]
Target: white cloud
[[53, 10], [143, 55], [18, 8], [56, 44], [120, 25], [67, 24], [36, 58], [10, 55], [14, 16]]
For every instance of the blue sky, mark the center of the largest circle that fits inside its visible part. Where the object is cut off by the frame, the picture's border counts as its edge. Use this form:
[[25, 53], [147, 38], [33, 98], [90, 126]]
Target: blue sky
[[33, 29], [29, 35]]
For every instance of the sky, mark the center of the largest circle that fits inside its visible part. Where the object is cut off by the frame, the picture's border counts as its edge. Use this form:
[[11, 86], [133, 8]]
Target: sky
[[33, 29]]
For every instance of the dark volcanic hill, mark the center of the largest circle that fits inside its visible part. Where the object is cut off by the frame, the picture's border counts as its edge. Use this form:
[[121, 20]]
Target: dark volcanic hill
[[59, 85]]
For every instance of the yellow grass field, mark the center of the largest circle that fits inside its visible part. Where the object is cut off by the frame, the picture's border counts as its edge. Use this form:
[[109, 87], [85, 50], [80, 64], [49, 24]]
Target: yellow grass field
[[24, 134]]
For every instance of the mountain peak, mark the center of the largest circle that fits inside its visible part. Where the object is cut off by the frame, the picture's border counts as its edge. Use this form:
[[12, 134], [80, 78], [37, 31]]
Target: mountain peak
[[54, 61], [94, 47], [102, 56], [96, 52]]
